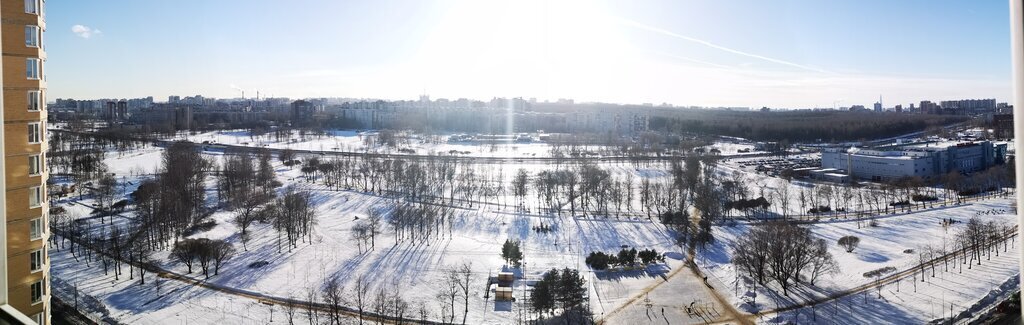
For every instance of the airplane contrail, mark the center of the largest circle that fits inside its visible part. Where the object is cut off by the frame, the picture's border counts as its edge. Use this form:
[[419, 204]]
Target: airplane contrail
[[715, 46], [721, 66]]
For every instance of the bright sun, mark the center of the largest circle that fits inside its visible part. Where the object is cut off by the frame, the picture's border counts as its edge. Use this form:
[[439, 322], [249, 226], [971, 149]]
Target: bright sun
[[534, 47]]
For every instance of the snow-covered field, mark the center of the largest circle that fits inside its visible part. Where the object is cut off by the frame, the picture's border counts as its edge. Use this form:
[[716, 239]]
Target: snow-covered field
[[880, 246], [159, 301], [417, 270], [352, 141]]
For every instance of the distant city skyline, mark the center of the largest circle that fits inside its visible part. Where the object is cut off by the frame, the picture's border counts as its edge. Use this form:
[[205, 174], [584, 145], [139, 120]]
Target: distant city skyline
[[199, 98], [794, 54]]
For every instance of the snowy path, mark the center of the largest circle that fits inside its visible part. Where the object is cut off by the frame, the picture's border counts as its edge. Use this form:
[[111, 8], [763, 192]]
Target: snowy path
[[685, 297]]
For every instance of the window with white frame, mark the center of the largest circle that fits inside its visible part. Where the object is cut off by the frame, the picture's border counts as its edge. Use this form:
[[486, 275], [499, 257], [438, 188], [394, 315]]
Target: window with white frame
[[32, 68], [36, 260], [35, 132], [35, 196], [32, 7], [37, 291], [35, 228], [35, 97], [38, 318], [31, 35], [35, 165]]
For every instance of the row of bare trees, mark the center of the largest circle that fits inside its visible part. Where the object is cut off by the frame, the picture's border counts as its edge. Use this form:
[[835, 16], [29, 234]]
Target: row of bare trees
[[246, 184], [577, 187], [292, 215], [416, 222], [110, 246], [455, 291], [978, 239], [903, 194], [173, 202]]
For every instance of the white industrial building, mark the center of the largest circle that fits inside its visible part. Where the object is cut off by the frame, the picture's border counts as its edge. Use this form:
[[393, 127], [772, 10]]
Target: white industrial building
[[924, 161]]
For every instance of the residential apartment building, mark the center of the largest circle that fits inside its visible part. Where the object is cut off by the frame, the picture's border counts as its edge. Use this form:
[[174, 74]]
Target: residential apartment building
[[968, 106], [24, 286]]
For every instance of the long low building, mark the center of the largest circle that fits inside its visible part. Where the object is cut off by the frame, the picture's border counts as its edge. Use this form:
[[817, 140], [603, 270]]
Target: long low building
[[922, 160]]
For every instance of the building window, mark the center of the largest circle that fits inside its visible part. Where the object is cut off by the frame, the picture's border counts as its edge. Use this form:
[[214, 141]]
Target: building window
[[32, 68], [37, 292], [38, 318], [35, 196], [35, 165], [34, 100], [31, 35], [32, 7], [36, 263], [35, 132], [35, 228]]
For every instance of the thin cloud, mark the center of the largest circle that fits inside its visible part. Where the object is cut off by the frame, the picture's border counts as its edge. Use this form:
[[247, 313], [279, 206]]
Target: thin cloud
[[85, 31], [715, 46]]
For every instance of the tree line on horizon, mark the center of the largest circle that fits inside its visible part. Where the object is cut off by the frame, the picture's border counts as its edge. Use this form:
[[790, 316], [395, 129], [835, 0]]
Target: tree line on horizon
[[799, 126]]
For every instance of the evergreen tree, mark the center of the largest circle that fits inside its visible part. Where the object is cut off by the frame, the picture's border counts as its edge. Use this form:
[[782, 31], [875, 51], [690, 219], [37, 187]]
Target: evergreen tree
[[511, 252]]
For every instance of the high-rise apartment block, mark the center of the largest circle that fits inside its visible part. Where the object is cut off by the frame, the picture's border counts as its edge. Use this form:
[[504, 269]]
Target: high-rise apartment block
[[24, 286]]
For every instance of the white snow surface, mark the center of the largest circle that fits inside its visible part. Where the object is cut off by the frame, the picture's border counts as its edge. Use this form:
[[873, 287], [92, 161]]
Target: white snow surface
[[416, 270]]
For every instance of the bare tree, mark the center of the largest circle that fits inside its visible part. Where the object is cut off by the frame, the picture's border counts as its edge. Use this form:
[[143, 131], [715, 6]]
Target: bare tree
[[373, 224], [204, 255], [822, 262], [849, 243], [424, 313], [398, 305], [106, 190], [245, 214], [520, 186], [381, 303], [289, 310], [463, 276], [311, 312], [782, 193], [222, 251], [628, 190], [185, 252], [362, 289], [450, 291], [360, 233]]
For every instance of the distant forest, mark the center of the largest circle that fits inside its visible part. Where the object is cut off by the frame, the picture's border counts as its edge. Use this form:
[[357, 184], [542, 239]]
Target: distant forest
[[797, 126]]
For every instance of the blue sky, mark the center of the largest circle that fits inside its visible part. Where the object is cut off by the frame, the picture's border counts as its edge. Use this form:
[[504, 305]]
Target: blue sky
[[709, 53]]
